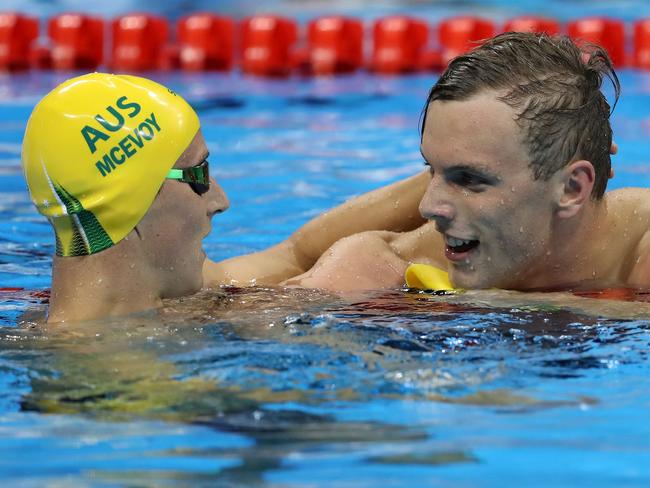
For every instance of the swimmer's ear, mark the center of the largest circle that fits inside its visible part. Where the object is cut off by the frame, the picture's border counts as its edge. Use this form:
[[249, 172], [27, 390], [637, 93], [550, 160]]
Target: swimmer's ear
[[578, 181]]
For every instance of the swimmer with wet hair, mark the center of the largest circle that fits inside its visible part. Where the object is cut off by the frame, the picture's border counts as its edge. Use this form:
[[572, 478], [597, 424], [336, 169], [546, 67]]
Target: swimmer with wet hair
[[517, 141]]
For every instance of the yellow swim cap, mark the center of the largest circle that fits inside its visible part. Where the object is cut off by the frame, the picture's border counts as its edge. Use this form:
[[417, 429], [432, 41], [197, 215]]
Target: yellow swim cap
[[425, 277], [96, 151]]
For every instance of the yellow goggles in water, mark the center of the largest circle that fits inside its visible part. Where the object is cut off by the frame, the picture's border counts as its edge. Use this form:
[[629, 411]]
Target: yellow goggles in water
[[198, 177], [425, 277]]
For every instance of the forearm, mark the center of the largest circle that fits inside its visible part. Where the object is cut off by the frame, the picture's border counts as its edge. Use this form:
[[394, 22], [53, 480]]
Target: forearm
[[268, 267], [393, 207]]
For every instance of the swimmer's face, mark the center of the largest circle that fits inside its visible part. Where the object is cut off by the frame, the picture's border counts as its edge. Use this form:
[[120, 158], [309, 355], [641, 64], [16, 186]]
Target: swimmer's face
[[496, 219], [177, 223]]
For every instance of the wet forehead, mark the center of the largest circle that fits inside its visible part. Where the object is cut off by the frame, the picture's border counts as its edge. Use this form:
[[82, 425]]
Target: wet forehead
[[480, 131]]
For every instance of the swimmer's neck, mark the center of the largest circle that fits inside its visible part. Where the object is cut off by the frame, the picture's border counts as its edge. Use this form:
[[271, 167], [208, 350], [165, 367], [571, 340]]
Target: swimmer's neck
[[107, 284], [577, 253]]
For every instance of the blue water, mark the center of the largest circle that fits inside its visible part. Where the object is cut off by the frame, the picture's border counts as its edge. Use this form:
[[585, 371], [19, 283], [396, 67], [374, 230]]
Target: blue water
[[269, 387]]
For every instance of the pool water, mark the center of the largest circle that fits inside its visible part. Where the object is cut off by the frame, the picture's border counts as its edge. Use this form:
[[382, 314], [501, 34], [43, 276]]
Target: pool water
[[272, 387]]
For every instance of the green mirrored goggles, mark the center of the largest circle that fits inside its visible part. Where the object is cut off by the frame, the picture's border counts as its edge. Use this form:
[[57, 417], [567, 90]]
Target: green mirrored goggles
[[198, 177]]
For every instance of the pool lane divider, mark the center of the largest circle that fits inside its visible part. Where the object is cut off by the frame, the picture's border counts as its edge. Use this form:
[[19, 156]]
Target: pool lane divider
[[277, 46]]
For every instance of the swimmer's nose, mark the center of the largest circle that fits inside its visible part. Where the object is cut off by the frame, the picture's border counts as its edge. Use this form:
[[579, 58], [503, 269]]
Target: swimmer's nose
[[432, 207], [442, 214], [218, 199]]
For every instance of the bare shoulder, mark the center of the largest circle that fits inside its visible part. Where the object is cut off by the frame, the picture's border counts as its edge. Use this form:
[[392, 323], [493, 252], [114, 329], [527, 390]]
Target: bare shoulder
[[628, 214], [362, 261], [423, 245], [630, 199], [631, 206]]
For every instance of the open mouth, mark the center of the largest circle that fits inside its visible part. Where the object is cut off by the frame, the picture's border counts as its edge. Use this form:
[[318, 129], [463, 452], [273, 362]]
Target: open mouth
[[458, 248]]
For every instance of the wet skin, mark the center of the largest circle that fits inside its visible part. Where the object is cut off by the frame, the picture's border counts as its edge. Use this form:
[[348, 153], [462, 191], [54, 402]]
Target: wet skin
[[162, 257], [492, 224], [178, 221], [496, 219]]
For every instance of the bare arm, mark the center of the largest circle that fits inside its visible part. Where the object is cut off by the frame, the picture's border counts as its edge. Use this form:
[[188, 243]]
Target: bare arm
[[373, 260], [393, 207], [363, 261]]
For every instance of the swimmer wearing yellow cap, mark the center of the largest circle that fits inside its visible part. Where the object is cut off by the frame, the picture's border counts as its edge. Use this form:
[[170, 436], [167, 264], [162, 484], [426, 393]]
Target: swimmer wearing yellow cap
[[118, 166]]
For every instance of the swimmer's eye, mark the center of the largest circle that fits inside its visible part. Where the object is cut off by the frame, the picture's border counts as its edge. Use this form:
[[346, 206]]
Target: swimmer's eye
[[470, 180]]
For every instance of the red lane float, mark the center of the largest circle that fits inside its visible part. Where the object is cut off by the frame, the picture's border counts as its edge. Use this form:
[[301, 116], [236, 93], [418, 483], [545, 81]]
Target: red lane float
[[77, 41], [458, 35], [139, 42], [605, 32], [530, 23], [17, 33], [206, 42], [266, 45], [399, 44], [641, 54], [335, 45]]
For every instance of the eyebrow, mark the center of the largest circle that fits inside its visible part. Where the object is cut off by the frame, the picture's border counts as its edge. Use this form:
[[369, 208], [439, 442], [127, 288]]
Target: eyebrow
[[478, 169], [455, 168]]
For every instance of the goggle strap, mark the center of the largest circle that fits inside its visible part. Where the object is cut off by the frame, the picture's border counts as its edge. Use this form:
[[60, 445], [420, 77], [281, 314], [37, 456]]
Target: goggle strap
[[196, 174], [175, 174]]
